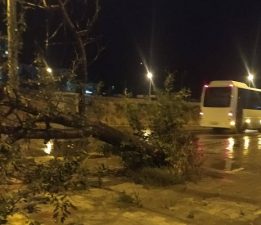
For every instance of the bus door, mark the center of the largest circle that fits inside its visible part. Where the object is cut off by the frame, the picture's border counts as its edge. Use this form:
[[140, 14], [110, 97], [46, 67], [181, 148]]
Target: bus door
[[239, 110]]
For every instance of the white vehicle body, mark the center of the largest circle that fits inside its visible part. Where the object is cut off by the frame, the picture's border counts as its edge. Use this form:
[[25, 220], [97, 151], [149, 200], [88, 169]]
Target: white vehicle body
[[230, 104]]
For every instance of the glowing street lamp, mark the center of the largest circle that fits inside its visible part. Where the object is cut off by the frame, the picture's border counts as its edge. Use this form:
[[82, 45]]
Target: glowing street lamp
[[49, 70], [250, 78], [150, 75]]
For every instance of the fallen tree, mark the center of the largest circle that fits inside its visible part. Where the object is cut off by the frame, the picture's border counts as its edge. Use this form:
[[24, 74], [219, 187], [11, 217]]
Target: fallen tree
[[36, 117], [22, 120]]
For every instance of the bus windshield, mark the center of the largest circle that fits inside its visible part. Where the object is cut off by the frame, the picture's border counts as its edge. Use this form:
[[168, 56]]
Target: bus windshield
[[217, 97]]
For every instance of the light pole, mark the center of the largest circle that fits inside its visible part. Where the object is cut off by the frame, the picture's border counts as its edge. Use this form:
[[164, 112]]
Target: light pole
[[149, 75], [250, 78]]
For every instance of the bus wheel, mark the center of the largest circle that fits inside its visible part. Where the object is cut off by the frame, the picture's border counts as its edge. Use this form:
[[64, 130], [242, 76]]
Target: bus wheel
[[240, 129]]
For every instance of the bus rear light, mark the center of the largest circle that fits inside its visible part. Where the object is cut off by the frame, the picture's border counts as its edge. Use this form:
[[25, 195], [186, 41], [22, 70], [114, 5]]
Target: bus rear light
[[232, 123], [201, 113], [248, 121], [230, 114]]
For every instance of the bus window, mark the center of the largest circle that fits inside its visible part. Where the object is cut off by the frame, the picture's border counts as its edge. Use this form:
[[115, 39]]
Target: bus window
[[217, 97], [249, 99]]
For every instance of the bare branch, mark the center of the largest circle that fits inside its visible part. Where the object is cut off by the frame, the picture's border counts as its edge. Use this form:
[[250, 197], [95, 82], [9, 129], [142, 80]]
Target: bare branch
[[55, 32], [96, 14], [79, 40], [42, 5]]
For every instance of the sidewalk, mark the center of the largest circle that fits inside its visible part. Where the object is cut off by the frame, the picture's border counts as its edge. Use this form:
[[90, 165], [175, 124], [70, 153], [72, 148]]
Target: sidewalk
[[239, 186], [220, 197], [234, 199]]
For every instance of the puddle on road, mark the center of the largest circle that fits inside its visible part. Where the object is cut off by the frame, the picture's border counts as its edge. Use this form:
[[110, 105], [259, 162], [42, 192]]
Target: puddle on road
[[38, 148], [230, 153], [226, 165]]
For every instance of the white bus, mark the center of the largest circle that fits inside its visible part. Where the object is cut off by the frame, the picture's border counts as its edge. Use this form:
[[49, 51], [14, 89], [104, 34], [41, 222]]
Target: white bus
[[231, 105]]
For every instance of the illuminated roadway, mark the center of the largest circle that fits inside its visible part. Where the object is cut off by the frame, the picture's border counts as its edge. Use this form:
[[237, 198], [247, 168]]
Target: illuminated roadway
[[231, 152]]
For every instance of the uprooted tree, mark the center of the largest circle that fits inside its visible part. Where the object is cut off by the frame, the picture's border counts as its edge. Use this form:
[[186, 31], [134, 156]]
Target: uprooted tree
[[27, 113]]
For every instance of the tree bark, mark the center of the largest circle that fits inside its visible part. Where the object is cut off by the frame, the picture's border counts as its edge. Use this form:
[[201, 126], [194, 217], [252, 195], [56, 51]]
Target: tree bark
[[12, 45], [75, 126], [97, 130]]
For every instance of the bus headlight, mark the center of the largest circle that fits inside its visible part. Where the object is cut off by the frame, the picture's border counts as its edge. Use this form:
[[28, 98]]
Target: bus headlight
[[232, 123], [230, 114], [248, 121]]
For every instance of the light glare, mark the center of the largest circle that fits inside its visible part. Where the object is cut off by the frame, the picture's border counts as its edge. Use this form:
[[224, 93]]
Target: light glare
[[248, 121], [232, 123], [149, 75], [49, 70], [230, 114], [250, 77], [48, 147]]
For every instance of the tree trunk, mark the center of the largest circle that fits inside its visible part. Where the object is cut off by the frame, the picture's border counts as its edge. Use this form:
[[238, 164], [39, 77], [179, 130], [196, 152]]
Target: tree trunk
[[12, 46]]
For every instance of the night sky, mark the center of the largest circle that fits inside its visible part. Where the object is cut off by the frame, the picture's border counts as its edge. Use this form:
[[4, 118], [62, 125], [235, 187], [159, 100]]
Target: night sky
[[197, 40]]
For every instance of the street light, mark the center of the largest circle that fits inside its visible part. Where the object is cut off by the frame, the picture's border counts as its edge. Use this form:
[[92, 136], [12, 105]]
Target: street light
[[49, 70], [250, 78], [150, 75]]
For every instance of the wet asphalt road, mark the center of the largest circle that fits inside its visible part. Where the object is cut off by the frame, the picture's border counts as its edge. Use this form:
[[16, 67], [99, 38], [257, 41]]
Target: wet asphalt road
[[231, 152]]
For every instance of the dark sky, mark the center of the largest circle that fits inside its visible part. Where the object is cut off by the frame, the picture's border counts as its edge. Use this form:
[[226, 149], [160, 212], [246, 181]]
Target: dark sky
[[200, 40]]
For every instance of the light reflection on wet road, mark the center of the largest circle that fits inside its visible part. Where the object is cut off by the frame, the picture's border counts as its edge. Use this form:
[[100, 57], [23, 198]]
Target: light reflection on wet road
[[231, 152]]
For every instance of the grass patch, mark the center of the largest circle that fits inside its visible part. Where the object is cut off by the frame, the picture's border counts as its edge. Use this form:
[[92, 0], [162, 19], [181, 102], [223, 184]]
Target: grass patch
[[132, 199], [156, 177]]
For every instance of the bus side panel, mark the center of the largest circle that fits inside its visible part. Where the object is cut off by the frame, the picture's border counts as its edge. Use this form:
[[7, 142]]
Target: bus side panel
[[249, 100], [252, 118]]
